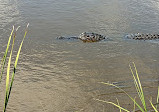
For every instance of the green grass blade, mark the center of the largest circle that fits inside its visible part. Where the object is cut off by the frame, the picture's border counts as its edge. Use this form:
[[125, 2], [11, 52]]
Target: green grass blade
[[7, 76], [135, 82], [153, 106], [126, 94], [16, 61], [118, 104], [138, 86], [121, 108], [157, 97], [134, 106], [142, 94], [5, 55], [13, 74]]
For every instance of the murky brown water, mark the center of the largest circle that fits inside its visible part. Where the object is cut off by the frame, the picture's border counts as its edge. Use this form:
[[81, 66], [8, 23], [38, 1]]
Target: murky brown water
[[62, 76]]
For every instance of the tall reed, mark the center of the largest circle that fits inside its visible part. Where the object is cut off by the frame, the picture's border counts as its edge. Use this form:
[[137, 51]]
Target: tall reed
[[139, 90], [9, 84]]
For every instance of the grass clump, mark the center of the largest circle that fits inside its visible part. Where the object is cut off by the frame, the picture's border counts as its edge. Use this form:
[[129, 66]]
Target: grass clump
[[140, 92], [9, 84]]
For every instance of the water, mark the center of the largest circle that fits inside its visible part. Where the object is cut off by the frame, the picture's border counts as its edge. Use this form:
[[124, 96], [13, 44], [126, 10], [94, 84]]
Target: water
[[63, 76]]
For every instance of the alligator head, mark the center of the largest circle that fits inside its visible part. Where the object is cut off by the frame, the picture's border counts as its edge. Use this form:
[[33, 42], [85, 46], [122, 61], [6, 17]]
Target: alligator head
[[91, 37]]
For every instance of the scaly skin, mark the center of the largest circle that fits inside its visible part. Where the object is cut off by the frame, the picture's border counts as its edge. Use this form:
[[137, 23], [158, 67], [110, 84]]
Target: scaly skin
[[141, 36], [86, 37]]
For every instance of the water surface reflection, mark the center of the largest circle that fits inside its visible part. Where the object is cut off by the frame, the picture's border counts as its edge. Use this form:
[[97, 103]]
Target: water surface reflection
[[64, 76]]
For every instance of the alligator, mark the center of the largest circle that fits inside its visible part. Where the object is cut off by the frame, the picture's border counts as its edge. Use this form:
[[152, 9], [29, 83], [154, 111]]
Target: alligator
[[86, 37], [141, 36]]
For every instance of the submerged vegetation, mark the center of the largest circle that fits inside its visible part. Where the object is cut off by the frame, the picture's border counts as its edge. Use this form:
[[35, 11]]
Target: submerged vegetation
[[140, 93], [9, 84]]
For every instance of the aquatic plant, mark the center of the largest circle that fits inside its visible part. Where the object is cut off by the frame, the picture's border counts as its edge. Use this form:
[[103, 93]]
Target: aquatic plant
[[140, 93], [9, 85]]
